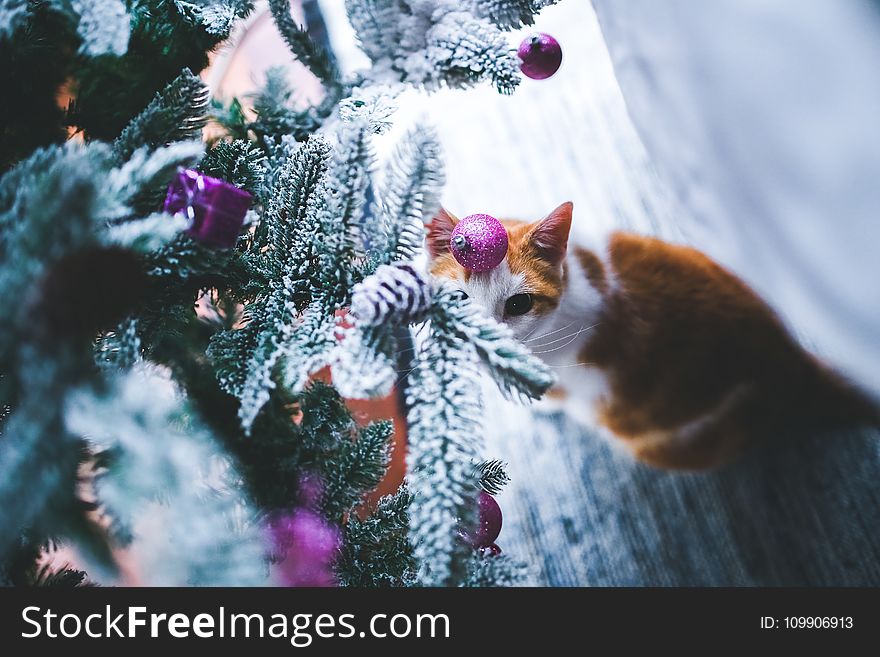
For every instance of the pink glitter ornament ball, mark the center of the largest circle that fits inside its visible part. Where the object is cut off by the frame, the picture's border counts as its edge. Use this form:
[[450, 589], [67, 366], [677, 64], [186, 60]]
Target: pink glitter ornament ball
[[479, 242], [541, 56]]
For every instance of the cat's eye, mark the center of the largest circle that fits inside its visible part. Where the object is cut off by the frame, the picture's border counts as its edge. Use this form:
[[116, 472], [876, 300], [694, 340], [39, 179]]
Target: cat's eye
[[518, 304], [464, 295]]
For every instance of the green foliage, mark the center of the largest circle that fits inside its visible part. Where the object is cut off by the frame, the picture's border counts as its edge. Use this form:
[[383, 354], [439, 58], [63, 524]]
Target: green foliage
[[488, 570], [103, 25], [238, 162], [167, 36], [33, 51], [142, 49], [151, 449], [63, 578], [519, 374], [276, 112], [444, 410], [55, 206], [24, 567], [323, 442], [467, 51], [492, 476], [13, 15], [215, 17], [377, 24], [360, 465], [376, 550], [178, 112], [510, 14], [434, 44], [47, 205], [284, 253], [409, 197], [304, 49]]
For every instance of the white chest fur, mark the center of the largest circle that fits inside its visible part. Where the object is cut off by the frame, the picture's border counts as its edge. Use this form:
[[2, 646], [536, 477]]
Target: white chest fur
[[560, 340]]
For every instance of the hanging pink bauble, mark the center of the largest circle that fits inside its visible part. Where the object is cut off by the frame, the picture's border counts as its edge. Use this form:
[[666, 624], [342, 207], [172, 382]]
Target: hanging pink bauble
[[479, 242], [541, 56]]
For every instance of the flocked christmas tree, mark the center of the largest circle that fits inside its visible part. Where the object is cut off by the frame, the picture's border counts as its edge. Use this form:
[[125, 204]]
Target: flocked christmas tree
[[157, 361]]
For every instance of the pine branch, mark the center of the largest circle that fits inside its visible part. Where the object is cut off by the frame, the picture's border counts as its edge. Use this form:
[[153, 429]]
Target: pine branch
[[356, 469], [63, 578], [410, 195], [377, 24], [49, 206], [492, 476], [104, 26], [62, 200], [147, 234], [376, 551], [120, 348], [325, 421], [494, 571], [443, 402], [363, 363], [517, 372], [155, 454], [315, 58], [276, 115], [238, 162], [286, 323], [179, 112], [465, 50], [134, 186], [510, 14], [13, 16], [309, 348], [433, 44], [216, 17], [393, 294], [291, 219], [36, 446], [340, 217]]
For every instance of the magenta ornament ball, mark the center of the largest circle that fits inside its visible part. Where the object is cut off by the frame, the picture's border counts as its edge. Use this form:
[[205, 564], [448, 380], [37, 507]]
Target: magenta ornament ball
[[479, 242], [488, 523], [541, 56]]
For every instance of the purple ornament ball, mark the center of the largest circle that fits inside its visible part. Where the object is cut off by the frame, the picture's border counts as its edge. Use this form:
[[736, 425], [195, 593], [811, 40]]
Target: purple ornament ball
[[479, 242], [541, 56], [489, 522], [306, 547]]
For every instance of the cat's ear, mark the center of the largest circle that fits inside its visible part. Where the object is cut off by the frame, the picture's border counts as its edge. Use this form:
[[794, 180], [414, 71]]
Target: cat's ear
[[439, 232], [549, 237]]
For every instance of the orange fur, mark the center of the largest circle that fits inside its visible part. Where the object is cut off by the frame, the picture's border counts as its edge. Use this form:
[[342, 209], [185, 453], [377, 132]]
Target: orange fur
[[697, 366]]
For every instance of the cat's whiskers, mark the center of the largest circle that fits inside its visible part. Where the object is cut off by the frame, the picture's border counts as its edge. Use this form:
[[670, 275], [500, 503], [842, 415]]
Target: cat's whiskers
[[545, 335], [571, 337], [527, 335]]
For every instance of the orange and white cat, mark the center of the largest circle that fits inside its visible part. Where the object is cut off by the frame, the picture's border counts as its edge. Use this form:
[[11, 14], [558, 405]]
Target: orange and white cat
[[672, 353]]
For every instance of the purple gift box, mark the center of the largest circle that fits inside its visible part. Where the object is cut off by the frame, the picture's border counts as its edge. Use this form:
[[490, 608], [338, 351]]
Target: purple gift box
[[215, 208]]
